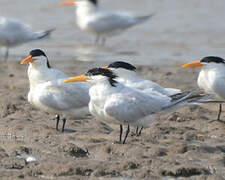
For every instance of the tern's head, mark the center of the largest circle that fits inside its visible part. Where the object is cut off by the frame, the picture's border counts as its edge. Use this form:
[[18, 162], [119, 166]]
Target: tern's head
[[37, 57], [96, 76], [82, 3], [207, 62], [122, 69]]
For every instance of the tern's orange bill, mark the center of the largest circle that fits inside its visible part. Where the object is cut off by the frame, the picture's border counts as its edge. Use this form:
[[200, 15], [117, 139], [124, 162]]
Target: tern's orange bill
[[27, 59], [105, 67], [81, 78], [193, 64], [67, 3]]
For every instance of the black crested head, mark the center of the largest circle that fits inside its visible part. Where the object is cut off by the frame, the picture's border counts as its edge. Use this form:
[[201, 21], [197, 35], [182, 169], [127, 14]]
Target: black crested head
[[95, 2], [214, 59], [104, 72], [39, 52], [121, 64]]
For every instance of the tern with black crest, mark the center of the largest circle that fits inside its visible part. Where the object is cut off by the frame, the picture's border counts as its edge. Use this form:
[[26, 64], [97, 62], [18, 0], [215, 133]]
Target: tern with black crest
[[102, 23], [126, 73], [211, 77], [48, 91], [114, 102]]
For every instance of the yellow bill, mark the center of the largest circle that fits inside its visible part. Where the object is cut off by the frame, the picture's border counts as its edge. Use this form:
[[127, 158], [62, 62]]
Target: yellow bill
[[67, 3], [81, 78], [27, 60], [193, 64]]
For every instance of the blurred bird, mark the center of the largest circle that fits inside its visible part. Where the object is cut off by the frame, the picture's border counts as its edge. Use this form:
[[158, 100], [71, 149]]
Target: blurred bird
[[114, 102], [92, 19], [211, 77], [48, 91], [14, 33]]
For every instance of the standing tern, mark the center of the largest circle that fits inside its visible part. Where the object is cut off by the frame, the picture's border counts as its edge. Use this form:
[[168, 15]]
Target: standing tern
[[211, 77], [48, 91], [126, 74], [102, 23], [14, 33], [114, 102]]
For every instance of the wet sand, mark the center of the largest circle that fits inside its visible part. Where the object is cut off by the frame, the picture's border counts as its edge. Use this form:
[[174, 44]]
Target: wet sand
[[179, 31], [184, 144]]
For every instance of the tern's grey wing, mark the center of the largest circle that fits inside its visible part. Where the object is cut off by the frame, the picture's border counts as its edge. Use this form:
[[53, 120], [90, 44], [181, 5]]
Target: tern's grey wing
[[14, 32], [109, 22], [132, 106], [63, 97]]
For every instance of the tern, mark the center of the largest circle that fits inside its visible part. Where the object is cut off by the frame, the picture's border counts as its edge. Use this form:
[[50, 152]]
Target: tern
[[126, 74], [14, 33], [48, 91], [102, 23], [114, 102], [211, 77]]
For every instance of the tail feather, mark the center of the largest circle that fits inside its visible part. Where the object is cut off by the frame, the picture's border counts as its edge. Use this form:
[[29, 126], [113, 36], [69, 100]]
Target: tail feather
[[211, 102], [187, 98], [44, 34], [177, 96], [172, 91], [144, 18], [199, 98]]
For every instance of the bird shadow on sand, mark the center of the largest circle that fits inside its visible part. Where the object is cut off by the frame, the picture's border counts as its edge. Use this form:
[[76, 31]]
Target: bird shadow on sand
[[69, 131]]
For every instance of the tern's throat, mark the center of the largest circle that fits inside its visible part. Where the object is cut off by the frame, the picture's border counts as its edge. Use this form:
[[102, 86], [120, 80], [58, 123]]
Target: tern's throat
[[85, 8], [38, 74]]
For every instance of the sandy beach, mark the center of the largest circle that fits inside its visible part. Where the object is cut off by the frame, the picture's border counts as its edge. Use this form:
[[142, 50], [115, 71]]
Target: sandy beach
[[185, 144]]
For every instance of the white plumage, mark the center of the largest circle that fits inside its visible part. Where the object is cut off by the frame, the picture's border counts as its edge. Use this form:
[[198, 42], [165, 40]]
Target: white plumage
[[113, 102], [127, 75], [48, 91], [102, 23], [14, 33], [211, 77]]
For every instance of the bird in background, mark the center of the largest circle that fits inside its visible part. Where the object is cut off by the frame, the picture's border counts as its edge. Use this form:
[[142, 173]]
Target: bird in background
[[126, 74], [14, 33], [48, 91], [102, 23], [114, 102], [211, 77]]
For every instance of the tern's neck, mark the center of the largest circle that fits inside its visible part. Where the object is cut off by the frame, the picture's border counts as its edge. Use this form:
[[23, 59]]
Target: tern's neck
[[105, 88], [85, 7], [38, 74]]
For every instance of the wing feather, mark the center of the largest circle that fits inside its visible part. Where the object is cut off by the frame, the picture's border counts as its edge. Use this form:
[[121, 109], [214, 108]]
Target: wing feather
[[133, 105]]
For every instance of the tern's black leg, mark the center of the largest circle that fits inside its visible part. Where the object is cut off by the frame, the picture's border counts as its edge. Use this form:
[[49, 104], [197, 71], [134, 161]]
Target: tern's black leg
[[140, 131], [220, 110], [64, 122], [137, 130], [128, 130], [57, 122], [121, 132], [6, 54]]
